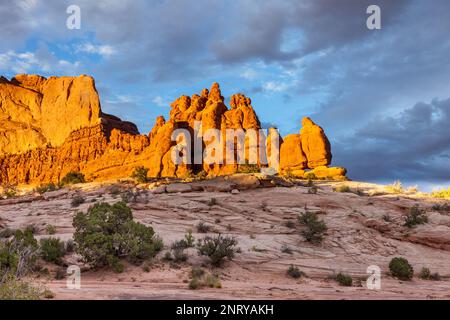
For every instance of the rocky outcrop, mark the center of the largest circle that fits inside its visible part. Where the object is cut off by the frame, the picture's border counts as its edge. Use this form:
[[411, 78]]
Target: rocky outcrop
[[35, 150]]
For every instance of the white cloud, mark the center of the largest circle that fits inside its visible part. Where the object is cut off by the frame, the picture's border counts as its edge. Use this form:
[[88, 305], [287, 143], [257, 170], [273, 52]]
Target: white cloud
[[29, 62], [249, 74], [160, 101], [273, 86], [102, 50]]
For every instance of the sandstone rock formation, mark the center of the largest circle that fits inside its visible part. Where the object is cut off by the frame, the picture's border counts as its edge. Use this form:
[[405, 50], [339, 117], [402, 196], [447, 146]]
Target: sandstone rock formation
[[34, 150]]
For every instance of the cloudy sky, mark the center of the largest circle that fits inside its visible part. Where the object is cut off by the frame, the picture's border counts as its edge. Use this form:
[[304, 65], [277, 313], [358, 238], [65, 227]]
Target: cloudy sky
[[382, 96]]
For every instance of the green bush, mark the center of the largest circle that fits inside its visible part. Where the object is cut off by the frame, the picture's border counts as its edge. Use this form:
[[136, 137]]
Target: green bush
[[401, 269], [43, 188], [107, 233], [52, 250], [77, 201], [217, 248], [294, 272], [18, 255], [11, 288], [140, 174], [194, 284], [9, 192], [425, 273], [444, 207], [72, 178], [315, 228], [203, 227], [178, 248], [344, 279], [50, 229], [213, 281], [415, 217], [248, 168], [6, 233]]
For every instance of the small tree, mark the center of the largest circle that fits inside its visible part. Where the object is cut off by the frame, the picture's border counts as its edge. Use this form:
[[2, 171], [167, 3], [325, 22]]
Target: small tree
[[140, 174], [18, 255], [315, 228], [52, 250], [72, 178], [217, 248], [416, 216], [107, 233], [401, 269]]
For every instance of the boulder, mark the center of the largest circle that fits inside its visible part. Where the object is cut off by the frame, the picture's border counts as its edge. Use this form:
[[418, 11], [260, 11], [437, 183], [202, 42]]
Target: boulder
[[315, 144], [178, 188]]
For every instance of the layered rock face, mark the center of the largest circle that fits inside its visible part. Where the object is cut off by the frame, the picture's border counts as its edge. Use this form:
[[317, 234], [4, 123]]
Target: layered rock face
[[49, 127]]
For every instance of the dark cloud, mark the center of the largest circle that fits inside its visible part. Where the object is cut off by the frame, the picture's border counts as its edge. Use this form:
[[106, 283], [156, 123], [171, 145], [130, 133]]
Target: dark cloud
[[413, 145]]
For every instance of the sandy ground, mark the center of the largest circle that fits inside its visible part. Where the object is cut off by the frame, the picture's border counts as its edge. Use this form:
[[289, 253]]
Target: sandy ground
[[358, 236]]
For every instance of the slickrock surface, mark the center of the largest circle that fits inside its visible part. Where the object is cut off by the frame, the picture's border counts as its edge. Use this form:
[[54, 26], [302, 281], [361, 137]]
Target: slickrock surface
[[359, 235], [49, 127]]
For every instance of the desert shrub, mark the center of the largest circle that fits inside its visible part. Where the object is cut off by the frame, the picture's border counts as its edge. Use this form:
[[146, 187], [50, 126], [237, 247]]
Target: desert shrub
[[43, 188], [107, 233], [9, 191], [50, 229], [52, 250], [443, 194], [129, 196], [178, 250], [425, 273], [401, 269], [6, 233], [441, 207], [70, 246], [344, 280], [189, 239], [286, 249], [396, 187], [294, 272], [342, 188], [203, 227], [168, 256], [194, 284], [197, 272], [289, 224], [315, 228], [312, 190], [72, 178], [217, 248], [248, 168], [415, 216], [140, 174], [18, 255], [213, 281], [435, 276], [48, 294], [60, 273], [11, 288], [77, 201]]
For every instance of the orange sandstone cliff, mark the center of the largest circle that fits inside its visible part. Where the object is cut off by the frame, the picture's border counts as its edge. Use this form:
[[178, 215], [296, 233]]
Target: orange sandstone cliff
[[49, 127]]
